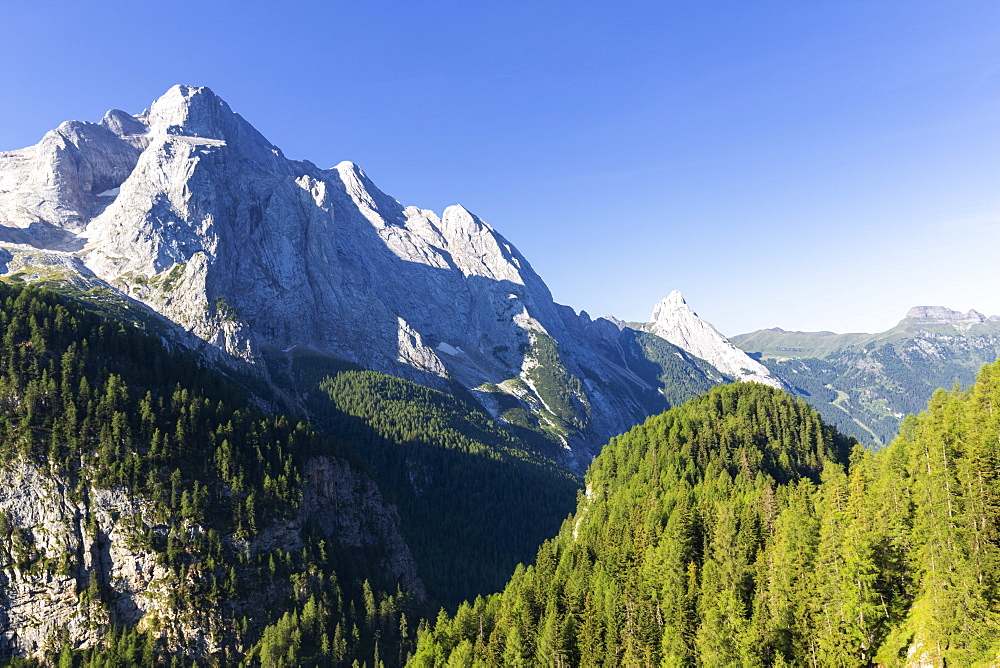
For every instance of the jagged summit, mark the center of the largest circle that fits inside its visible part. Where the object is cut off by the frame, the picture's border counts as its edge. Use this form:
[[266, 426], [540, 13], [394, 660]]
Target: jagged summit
[[673, 320], [189, 210], [943, 315], [191, 110], [123, 124], [675, 297], [672, 302]]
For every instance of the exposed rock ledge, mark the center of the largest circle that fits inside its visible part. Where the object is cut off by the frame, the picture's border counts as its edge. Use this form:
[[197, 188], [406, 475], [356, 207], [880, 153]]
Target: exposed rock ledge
[[56, 539]]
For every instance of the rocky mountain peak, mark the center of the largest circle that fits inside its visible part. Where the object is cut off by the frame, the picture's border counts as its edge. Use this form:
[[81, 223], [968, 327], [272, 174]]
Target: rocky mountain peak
[[946, 316], [191, 110], [666, 307], [458, 220], [123, 124], [196, 117], [674, 321], [366, 194]]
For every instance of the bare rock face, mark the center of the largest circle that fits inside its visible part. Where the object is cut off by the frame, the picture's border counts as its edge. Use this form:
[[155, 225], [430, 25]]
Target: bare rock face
[[348, 507], [674, 321], [187, 209], [50, 191], [946, 316], [217, 230], [57, 543]]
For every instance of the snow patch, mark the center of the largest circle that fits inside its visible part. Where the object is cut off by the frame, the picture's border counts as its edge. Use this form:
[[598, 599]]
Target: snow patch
[[450, 349]]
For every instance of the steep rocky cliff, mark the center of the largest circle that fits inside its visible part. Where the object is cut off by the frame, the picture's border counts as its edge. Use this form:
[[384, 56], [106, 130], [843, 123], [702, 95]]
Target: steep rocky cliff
[[674, 321], [187, 209], [78, 560]]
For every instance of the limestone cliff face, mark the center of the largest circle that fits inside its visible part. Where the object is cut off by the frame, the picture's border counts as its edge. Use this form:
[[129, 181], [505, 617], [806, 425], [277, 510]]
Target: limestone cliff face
[[50, 191], [940, 315], [217, 230], [348, 507], [74, 559], [54, 540], [189, 210], [674, 321]]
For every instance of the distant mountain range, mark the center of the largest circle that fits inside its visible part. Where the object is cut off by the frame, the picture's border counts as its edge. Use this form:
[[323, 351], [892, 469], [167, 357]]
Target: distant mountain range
[[866, 383]]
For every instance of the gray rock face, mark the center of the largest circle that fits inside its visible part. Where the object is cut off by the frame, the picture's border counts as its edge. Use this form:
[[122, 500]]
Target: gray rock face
[[66, 537], [262, 251], [942, 315], [50, 191], [56, 539], [674, 321], [347, 506], [187, 209]]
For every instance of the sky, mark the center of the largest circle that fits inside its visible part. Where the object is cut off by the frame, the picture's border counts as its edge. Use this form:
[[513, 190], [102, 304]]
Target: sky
[[809, 165]]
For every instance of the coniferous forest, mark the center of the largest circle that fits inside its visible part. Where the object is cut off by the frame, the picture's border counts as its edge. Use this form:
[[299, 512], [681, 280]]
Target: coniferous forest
[[735, 529], [100, 405], [738, 529]]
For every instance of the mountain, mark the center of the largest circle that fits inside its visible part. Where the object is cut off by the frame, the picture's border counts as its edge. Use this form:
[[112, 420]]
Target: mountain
[[183, 229], [866, 383], [188, 210], [674, 321], [275, 417], [186, 217], [738, 529]]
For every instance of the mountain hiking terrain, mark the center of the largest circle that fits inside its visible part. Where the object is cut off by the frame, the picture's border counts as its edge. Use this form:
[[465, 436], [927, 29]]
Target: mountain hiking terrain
[[255, 411]]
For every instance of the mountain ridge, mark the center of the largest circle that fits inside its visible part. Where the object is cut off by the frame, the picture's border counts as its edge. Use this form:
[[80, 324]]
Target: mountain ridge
[[676, 322], [778, 342], [866, 383], [189, 211]]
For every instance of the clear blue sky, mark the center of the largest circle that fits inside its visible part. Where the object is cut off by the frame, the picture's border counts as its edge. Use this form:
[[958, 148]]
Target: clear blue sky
[[809, 165]]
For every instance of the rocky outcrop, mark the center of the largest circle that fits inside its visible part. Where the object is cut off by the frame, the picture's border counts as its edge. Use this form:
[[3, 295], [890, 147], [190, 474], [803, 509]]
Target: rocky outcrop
[[75, 559], [50, 191], [946, 316], [674, 321], [347, 506], [56, 540]]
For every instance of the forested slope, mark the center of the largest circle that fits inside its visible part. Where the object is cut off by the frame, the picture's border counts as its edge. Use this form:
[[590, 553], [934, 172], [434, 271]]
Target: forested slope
[[475, 498], [738, 529], [865, 384], [149, 513]]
